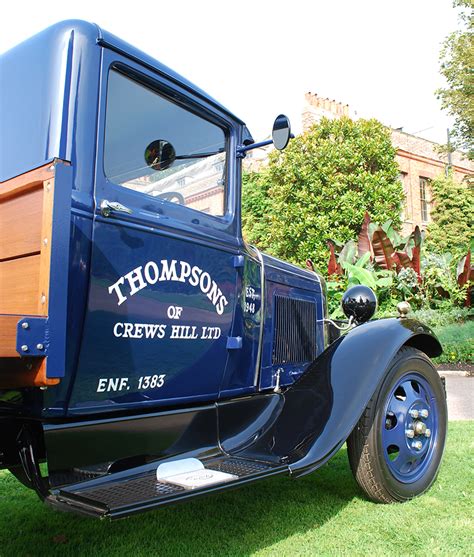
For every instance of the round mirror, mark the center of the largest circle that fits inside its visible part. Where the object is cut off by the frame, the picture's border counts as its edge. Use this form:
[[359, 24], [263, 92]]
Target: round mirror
[[359, 302], [160, 154], [281, 132]]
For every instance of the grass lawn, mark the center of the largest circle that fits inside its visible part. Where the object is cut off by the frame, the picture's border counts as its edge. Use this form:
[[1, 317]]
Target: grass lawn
[[321, 514]]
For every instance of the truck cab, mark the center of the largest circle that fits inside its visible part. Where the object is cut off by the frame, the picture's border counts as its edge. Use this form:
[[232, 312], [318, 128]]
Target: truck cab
[[138, 328]]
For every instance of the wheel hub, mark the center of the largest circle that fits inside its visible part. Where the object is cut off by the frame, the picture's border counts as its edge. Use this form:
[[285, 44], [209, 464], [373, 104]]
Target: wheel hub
[[409, 422]]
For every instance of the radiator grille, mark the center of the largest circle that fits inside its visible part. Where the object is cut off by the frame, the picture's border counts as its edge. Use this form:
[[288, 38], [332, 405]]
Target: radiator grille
[[295, 331]]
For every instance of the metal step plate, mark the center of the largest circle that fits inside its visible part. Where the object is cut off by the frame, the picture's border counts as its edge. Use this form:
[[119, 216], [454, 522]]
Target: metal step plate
[[129, 495]]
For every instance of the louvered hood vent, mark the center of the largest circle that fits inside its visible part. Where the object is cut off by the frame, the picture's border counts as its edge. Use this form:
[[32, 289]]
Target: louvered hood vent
[[295, 331]]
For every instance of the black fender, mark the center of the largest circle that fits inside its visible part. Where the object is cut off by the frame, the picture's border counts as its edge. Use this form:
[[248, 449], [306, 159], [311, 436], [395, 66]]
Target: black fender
[[322, 407]]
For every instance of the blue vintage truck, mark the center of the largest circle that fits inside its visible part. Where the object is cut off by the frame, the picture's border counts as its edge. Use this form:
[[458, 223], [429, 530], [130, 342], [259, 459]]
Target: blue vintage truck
[[148, 354]]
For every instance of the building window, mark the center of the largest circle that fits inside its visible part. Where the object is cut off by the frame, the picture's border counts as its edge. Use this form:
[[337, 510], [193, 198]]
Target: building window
[[424, 201], [219, 166], [403, 177]]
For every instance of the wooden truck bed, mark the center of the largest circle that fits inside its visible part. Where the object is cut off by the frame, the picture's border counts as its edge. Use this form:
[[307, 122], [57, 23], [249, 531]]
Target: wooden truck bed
[[26, 212]]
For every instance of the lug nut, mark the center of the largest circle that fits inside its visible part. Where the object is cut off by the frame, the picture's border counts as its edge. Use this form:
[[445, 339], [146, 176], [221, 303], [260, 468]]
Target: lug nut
[[424, 413], [417, 445], [409, 433], [428, 433], [414, 413], [420, 428]]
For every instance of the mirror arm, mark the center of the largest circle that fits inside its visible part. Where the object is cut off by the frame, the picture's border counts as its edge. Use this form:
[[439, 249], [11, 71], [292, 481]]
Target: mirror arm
[[242, 149]]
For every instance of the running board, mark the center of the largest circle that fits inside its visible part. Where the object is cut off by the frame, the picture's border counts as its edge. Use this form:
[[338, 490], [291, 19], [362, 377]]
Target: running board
[[118, 497]]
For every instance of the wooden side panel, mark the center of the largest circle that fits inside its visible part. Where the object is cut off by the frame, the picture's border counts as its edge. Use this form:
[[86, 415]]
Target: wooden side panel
[[26, 217], [19, 285], [21, 217], [8, 324]]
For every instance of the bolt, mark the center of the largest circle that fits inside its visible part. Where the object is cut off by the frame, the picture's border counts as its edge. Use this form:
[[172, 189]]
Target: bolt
[[414, 414], [428, 433], [409, 433], [424, 413], [25, 325], [417, 445], [24, 348], [45, 241], [43, 299], [40, 346]]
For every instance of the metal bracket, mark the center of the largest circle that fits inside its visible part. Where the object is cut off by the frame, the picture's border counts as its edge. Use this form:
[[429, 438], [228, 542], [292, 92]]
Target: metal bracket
[[238, 261], [31, 338], [234, 343], [277, 388]]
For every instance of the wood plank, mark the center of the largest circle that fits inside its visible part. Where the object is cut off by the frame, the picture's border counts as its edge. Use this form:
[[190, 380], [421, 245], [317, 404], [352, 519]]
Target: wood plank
[[24, 372], [46, 241], [19, 285], [8, 328], [19, 184], [20, 224]]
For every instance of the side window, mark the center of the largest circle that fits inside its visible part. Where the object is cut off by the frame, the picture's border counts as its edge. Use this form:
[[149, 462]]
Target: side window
[[157, 147]]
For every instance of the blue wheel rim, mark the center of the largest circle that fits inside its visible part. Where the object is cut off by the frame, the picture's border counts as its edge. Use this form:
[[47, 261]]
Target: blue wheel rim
[[410, 428]]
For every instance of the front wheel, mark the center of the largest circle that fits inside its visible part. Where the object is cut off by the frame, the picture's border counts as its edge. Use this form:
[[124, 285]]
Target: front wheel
[[396, 447]]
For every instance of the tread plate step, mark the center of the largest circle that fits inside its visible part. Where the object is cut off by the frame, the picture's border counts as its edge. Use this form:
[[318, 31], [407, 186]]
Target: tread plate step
[[128, 495]]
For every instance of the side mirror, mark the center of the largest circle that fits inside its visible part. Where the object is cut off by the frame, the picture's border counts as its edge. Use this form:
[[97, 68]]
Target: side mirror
[[160, 154], [281, 132]]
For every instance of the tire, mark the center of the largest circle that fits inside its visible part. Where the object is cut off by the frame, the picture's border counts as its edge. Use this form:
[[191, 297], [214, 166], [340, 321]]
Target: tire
[[392, 454]]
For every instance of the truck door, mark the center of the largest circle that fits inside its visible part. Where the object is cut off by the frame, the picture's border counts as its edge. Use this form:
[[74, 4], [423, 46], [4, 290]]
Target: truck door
[[163, 275]]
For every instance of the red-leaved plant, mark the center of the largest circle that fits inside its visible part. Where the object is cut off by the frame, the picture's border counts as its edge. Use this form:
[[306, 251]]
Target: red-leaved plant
[[386, 248]]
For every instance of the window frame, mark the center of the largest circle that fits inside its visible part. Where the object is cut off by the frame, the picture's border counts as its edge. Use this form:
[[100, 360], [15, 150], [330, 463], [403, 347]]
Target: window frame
[[152, 208], [424, 184]]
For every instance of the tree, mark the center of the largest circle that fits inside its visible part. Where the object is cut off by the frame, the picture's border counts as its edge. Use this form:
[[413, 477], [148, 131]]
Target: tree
[[320, 187], [452, 216], [457, 61]]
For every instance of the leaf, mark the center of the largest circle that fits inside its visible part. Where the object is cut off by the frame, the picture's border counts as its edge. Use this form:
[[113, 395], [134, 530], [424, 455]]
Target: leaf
[[362, 261], [383, 249], [364, 245], [363, 276], [372, 228], [348, 252], [464, 269], [415, 261], [404, 259], [417, 236], [384, 282], [333, 266], [310, 265]]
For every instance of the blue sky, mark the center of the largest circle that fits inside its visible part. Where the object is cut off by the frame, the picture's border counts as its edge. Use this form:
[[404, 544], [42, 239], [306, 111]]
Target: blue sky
[[259, 58]]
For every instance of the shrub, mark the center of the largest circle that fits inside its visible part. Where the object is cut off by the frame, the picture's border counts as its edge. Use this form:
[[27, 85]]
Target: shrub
[[452, 216], [320, 187]]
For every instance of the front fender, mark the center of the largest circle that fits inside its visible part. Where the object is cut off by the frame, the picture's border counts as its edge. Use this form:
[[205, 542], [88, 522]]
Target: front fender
[[324, 405]]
